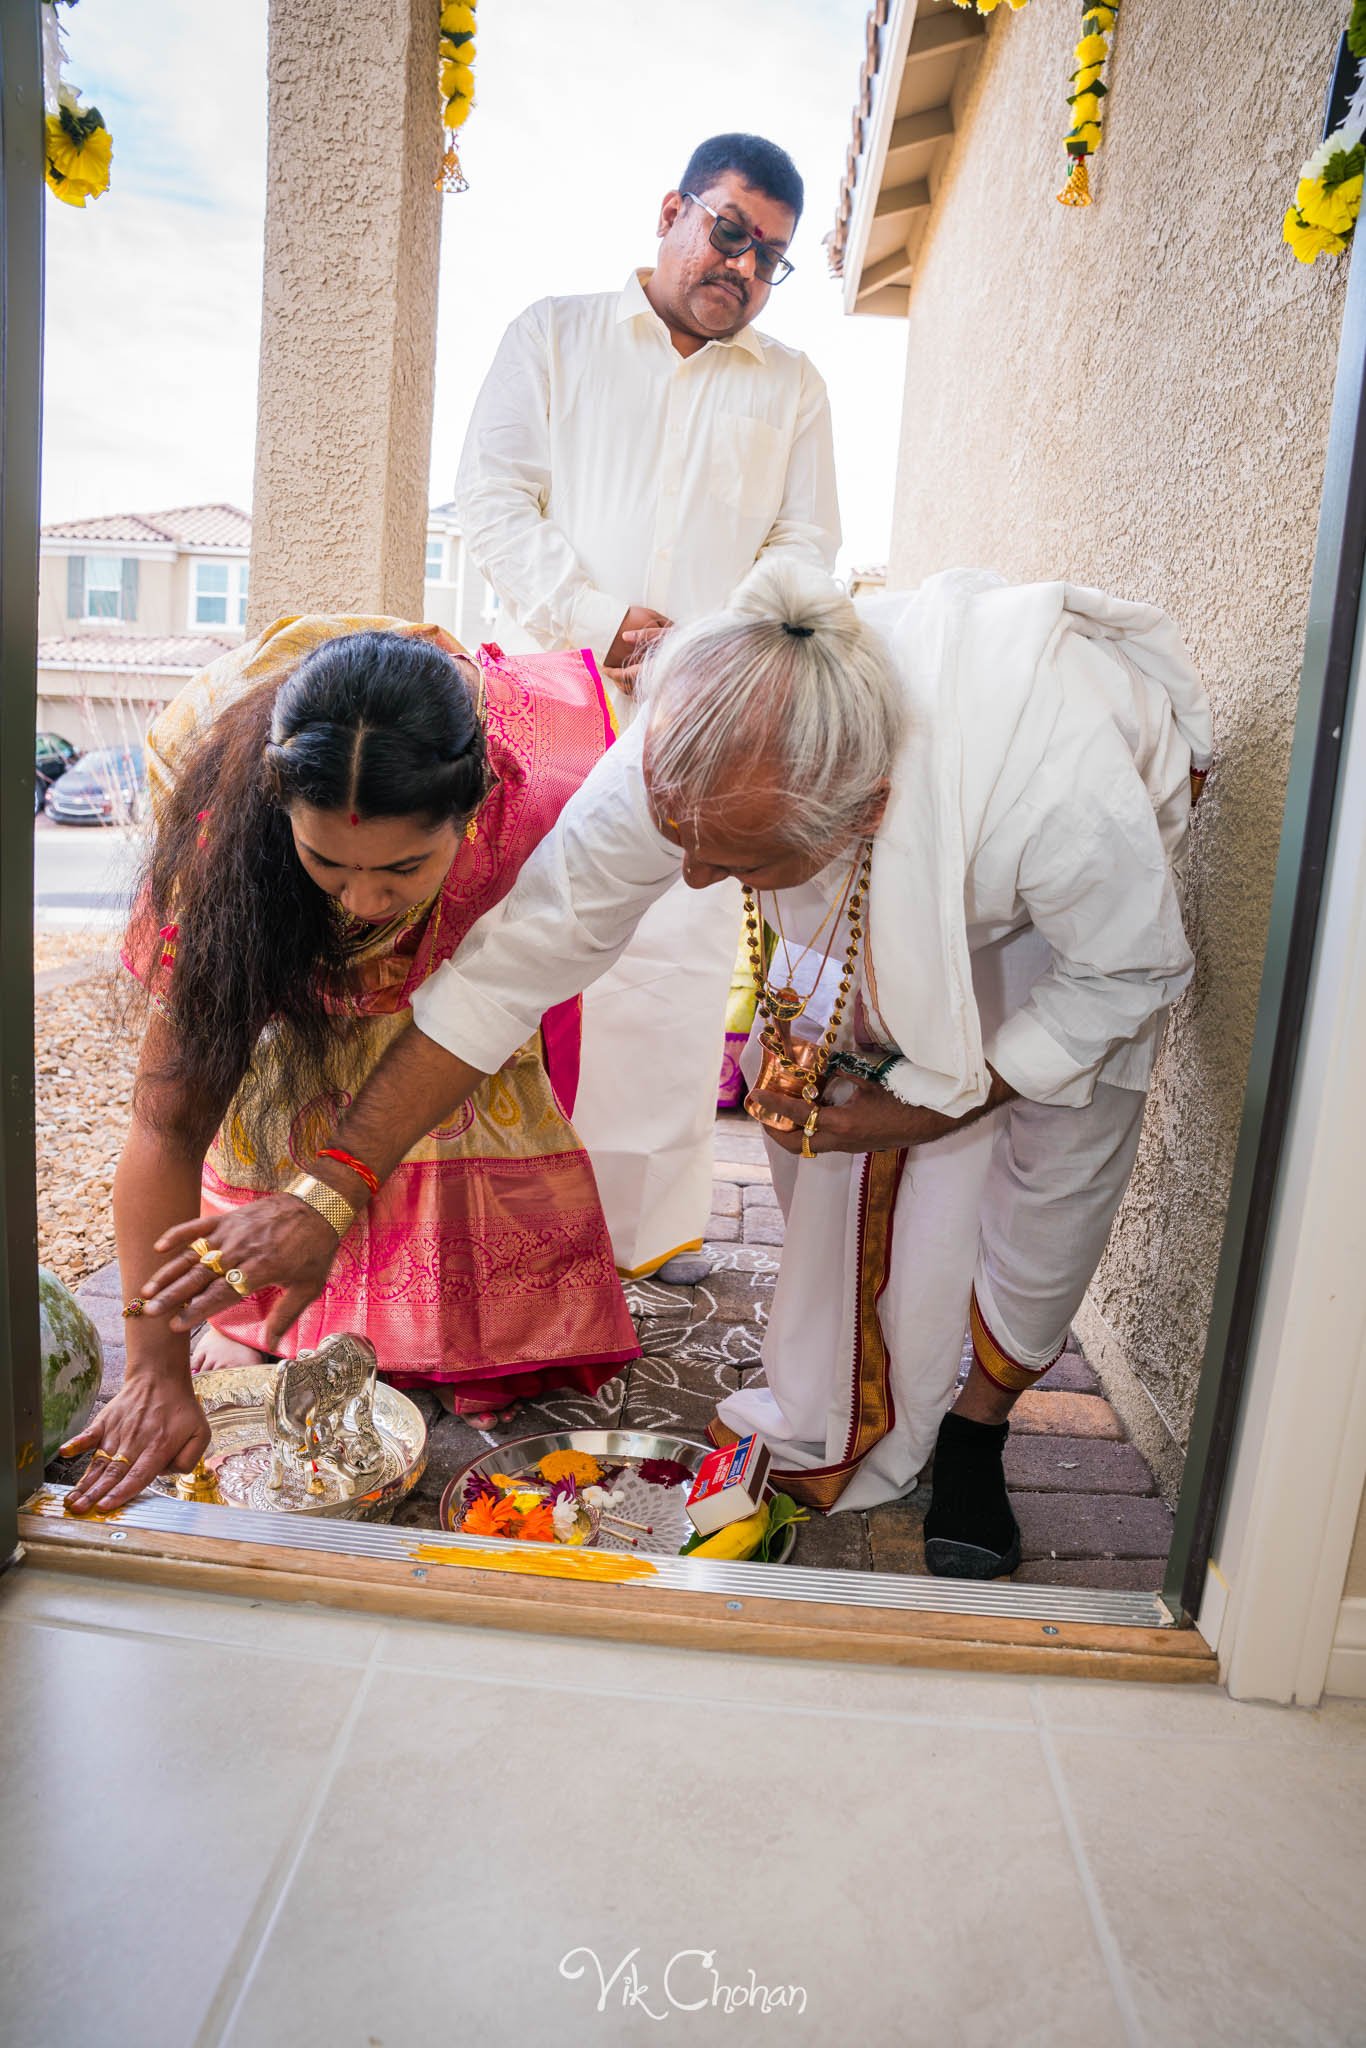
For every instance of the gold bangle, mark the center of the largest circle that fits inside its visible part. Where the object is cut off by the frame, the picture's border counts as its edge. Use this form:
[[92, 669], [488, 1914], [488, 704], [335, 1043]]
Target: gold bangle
[[809, 1131], [332, 1207]]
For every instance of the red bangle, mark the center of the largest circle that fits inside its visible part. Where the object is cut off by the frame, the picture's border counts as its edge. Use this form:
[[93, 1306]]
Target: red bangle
[[357, 1166]]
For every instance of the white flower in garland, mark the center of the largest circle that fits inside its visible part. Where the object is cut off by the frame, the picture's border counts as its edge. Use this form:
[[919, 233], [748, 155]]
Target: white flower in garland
[[1323, 218]]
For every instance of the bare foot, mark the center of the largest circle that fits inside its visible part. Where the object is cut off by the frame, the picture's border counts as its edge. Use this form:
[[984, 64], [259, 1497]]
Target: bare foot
[[212, 1351], [478, 1418]]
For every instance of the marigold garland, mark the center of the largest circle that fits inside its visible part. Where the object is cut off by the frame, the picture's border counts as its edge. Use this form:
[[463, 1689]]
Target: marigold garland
[[1323, 217], [1088, 90], [457, 84], [79, 145]]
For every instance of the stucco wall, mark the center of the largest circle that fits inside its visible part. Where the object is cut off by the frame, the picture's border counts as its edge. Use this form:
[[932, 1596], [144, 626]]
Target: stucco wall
[[1137, 395], [348, 338]]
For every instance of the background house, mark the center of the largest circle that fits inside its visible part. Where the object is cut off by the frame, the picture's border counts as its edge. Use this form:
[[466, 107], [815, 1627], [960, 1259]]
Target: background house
[[132, 604], [454, 594]]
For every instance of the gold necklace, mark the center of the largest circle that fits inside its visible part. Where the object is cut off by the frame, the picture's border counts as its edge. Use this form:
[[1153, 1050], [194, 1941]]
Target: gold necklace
[[787, 996], [776, 1005]]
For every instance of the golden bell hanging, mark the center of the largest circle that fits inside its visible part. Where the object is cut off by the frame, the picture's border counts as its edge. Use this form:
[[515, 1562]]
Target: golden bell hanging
[[1077, 190], [451, 177]]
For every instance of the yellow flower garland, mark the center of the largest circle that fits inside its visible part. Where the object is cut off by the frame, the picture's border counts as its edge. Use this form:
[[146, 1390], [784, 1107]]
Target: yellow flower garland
[[1088, 87], [78, 144], [1323, 216], [457, 84], [1088, 90]]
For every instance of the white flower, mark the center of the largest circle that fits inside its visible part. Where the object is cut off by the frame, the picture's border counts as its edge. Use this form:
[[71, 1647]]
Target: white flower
[[565, 1516], [1342, 138], [599, 1497]]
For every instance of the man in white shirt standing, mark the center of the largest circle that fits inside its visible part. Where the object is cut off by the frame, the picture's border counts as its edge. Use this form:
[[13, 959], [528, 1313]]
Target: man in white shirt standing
[[630, 457]]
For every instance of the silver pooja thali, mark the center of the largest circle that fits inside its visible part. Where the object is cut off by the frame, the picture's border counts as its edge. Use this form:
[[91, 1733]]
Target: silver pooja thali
[[658, 1508], [354, 1459]]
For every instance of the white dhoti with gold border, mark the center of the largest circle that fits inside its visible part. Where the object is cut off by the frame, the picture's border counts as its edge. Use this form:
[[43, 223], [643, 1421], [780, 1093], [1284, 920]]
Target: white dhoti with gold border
[[882, 1252]]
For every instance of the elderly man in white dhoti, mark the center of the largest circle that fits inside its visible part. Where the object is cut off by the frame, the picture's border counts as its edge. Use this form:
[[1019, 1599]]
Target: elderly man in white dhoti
[[960, 810], [630, 457]]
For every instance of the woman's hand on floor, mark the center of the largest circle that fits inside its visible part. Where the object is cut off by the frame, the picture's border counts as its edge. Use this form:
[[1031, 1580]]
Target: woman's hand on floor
[[277, 1241], [153, 1424]]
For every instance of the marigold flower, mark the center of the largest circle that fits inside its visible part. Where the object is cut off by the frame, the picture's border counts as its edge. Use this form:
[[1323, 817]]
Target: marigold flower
[[1309, 241], [457, 19], [1086, 107], [81, 167], [1091, 50], [570, 1465], [1334, 207]]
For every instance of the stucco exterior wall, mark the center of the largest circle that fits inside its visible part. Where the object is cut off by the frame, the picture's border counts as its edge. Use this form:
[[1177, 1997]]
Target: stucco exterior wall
[[348, 339], [1136, 395]]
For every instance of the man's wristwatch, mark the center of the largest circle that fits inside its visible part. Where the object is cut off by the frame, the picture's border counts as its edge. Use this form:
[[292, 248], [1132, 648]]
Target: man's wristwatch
[[332, 1207]]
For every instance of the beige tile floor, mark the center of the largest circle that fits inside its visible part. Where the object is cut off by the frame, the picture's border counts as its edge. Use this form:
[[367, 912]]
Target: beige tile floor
[[258, 1825]]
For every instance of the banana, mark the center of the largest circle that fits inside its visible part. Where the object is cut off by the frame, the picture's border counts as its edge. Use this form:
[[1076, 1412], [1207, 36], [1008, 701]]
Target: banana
[[737, 1539]]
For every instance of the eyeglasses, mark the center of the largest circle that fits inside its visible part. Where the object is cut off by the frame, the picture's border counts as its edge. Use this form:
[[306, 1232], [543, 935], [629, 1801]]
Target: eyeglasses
[[732, 239]]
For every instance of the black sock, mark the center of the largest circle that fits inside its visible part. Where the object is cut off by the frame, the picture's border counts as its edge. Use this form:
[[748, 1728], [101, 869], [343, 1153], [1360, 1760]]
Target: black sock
[[970, 1503]]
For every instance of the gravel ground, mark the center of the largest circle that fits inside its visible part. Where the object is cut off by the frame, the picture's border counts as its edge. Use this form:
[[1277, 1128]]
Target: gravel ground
[[62, 949], [85, 1061]]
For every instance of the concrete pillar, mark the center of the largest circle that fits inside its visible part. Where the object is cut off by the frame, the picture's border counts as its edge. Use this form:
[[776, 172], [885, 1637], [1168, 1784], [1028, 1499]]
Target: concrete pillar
[[348, 330]]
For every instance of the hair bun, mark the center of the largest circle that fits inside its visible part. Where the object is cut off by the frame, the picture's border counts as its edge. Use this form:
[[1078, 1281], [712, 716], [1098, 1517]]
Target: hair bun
[[801, 598]]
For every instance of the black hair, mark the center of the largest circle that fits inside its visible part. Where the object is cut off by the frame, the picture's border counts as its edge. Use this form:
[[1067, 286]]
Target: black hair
[[762, 164], [379, 724]]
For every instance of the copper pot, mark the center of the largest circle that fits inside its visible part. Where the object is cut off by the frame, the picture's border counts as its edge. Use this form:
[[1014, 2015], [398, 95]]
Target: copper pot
[[777, 1077]]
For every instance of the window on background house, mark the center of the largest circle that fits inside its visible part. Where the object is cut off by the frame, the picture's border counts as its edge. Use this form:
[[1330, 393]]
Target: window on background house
[[101, 587], [435, 570], [219, 594], [210, 594]]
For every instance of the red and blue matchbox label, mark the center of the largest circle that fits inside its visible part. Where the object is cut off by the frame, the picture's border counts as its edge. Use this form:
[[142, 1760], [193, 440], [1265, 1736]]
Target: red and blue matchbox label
[[729, 1484]]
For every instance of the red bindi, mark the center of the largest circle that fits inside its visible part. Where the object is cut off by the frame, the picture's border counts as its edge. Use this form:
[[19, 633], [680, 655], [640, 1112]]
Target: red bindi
[[354, 819]]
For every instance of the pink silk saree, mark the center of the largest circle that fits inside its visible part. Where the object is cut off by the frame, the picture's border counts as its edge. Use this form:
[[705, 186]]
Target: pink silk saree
[[484, 1263]]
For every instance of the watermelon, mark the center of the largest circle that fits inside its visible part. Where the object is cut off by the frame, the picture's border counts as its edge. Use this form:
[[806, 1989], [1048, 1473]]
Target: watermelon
[[73, 1362]]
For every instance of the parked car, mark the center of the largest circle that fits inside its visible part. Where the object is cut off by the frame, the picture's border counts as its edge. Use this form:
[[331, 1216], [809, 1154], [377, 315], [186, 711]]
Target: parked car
[[108, 787], [52, 756]]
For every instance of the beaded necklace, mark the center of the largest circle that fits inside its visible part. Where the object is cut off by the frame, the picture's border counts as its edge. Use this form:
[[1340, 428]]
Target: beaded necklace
[[781, 1006]]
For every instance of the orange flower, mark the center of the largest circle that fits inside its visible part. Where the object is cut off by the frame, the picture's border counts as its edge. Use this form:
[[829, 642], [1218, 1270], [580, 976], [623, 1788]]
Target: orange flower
[[570, 1465], [539, 1526], [491, 1518]]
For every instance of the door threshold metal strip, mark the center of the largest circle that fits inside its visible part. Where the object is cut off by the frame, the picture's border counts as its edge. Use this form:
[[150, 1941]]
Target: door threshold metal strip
[[384, 1542]]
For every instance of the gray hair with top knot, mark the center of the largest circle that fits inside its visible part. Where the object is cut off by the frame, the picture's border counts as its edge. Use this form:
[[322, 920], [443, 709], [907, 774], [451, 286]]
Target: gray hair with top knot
[[788, 672]]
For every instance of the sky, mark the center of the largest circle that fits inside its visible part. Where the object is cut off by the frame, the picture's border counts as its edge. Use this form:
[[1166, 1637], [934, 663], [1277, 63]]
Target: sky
[[584, 118]]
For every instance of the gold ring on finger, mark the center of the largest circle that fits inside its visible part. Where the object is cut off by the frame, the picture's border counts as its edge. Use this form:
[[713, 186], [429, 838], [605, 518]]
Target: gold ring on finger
[[807, 1153], [235, 1277], [201, 1248], [117, 1458], [106, 1455], [211, 1260]]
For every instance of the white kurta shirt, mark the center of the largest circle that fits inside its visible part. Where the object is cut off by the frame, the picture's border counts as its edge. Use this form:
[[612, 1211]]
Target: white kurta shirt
[[1044, 774], [602, 469]]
